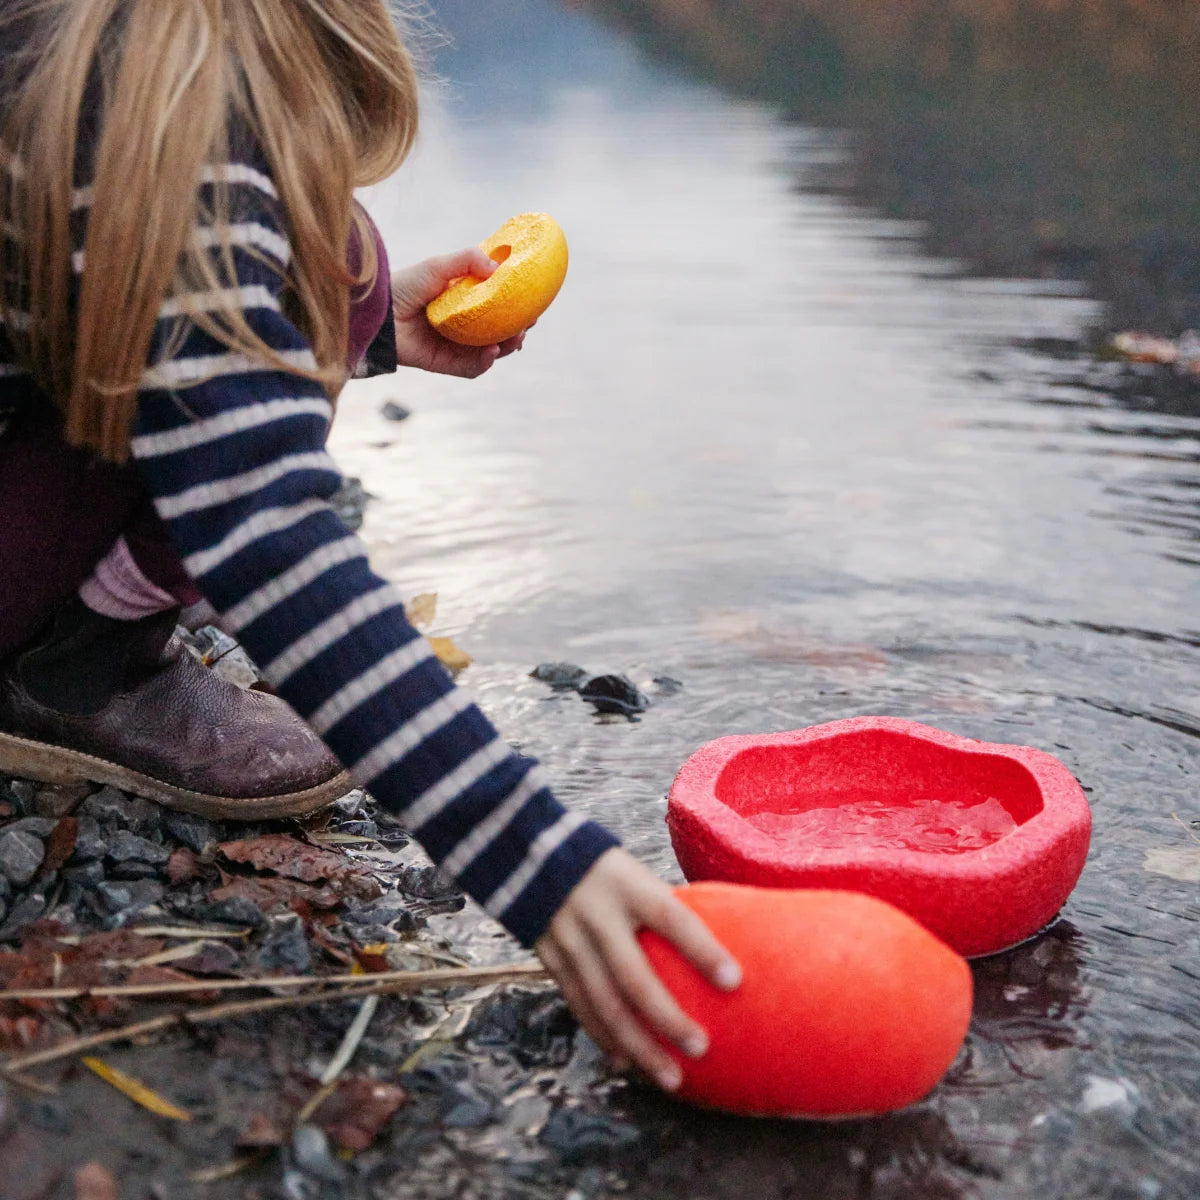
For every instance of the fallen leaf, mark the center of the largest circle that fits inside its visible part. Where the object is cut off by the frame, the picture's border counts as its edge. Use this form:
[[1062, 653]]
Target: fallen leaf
[[356, 1112], [60, 845], [183, 866], [20, 1033], [268, 892], [137, 1092], [260, 1133], [94, 1182], [449, 655], [289, 857], [422, 609], [1175, 862]]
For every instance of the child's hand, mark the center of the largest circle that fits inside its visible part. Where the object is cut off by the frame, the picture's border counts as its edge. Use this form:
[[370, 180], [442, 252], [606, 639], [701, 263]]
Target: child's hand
[[418, 344], [592, 951]]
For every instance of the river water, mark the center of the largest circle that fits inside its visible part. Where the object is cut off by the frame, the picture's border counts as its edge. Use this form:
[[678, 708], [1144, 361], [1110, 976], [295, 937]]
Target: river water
[[774, 442]]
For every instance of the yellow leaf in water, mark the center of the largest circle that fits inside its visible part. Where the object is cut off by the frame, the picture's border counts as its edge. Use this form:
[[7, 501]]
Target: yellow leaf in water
[[449, 654], [137, 1092], [1175, 862], [421, 609]]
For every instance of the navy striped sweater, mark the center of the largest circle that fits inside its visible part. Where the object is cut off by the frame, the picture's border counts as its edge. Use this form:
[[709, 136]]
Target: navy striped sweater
[[233, 454]]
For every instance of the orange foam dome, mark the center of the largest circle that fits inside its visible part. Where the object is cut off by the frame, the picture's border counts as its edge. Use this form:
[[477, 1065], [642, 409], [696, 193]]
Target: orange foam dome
[[532, 252], [847, 1007]]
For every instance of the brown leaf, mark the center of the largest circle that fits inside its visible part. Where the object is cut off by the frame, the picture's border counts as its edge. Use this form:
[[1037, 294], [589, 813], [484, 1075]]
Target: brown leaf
[[21, 1033], [422, 609], [358, 1110], [183, 866], [260, 1133], [272, 891], [289, 857], [94, 1182], [153, 976], [60, 845]]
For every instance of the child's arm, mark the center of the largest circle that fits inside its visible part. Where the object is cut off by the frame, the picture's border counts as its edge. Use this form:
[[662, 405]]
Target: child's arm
[[233, 453]]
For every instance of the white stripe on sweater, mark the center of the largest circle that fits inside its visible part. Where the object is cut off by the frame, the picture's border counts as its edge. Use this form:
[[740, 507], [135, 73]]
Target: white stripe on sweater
[[263, 523], [234, 420], [181, 372], [542, 847], [84, 197], [411, 734], [386, 671], [318, 640], [427, 805], [323, 559], [244, 298], [234, 487], [490, 828], [211, 237]]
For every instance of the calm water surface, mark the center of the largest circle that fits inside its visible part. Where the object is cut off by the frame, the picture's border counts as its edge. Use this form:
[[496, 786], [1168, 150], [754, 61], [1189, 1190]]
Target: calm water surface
[[777, 445]]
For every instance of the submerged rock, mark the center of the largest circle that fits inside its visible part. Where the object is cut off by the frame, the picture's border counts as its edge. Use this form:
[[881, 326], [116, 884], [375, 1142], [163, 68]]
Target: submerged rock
[[21, 854], [614, 694], [562, 676]]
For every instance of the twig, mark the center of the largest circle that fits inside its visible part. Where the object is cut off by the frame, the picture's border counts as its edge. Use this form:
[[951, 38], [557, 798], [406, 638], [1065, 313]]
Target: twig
[[1186, 828], [26, 1084], [409, 982], [418, 979], [229, 1169], [349, 1045]]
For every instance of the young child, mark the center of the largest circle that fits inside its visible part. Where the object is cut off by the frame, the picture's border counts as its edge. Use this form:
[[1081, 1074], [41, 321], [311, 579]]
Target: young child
[[179, 312]]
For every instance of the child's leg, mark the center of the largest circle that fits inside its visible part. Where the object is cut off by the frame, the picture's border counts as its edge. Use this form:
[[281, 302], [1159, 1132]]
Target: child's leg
[[93, 686]]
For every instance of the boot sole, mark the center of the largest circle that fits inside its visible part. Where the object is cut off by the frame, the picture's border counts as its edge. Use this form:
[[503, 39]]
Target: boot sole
[[59, 765]]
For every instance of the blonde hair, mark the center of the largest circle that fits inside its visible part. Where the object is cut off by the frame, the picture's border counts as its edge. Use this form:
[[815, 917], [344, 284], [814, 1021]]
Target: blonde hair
[[328, 89]]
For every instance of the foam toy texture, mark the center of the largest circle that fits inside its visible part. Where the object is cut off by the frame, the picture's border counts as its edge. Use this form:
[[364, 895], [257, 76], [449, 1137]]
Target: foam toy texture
[[846, 1008], [532, 252], [980, 842]]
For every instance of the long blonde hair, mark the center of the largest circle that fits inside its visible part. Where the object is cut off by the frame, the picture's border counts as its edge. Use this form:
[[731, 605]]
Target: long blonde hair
[[328, 89]]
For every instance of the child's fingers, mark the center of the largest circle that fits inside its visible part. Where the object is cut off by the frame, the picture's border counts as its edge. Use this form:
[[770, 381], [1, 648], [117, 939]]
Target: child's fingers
[[648, 996], [621, 1023], [693, 939]]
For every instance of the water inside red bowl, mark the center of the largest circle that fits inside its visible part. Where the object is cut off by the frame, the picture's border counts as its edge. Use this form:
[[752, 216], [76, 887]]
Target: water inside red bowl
[[879, 789], [928, 825]]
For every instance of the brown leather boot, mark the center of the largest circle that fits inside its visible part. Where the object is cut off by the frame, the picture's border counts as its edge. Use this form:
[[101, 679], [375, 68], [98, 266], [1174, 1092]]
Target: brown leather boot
[[124, 703]]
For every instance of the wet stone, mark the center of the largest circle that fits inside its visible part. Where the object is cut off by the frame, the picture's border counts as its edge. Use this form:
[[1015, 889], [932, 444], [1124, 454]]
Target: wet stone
[[285, 947], [614, 694], [465, 1107], [125, 847], [24, 910], [394, 411], [85, 875], [5, 887], [40, 827], [352, 804], [21, 855], [188, 830], [537, 1029], [127, 898], [110, 806], [562, 676], [578, 1137], [59, 801], [213, 958], [364, 828], [90, 843], [236, 911], [22, 792], [426, 883], [133, 870], [311, 1153]]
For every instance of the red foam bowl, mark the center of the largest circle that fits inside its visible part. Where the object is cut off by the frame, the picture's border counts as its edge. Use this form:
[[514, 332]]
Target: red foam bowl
[[980, 842]]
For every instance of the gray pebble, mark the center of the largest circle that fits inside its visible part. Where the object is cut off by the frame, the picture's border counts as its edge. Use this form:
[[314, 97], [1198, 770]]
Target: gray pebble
[[5, 887], [22, 792], [188, 829], [394, 411], [236, 911], [310, 1149], [24, 911], [59, 801], [89, 841], [21, 855], [285, 947], [125, 847], [110, 806], [85, 875], [40, 827], [129, 898]]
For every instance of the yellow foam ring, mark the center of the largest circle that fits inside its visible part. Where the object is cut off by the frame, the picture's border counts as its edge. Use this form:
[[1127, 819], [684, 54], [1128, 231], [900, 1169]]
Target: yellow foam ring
[[532, 252]]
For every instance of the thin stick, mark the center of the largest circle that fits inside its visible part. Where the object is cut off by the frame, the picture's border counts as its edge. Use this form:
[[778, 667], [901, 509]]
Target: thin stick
[[354, 1035], [436, 978], [415, 981]]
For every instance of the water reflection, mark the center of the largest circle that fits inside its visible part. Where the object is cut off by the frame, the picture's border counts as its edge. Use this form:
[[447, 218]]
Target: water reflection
[[817, 459]]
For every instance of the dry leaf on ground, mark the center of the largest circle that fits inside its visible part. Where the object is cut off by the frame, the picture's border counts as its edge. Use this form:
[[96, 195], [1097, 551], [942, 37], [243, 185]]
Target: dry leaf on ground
[[137, 1092], [356, 1112]]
